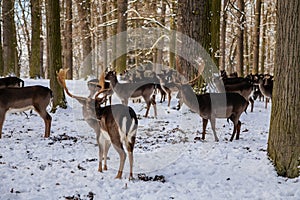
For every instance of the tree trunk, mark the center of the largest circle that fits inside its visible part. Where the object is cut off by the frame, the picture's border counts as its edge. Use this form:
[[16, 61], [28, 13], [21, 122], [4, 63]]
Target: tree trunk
[[284, 137], [172, 46], [256, 37], [104, 30], [9, 39], [215, 19], [240, 38], [1, 49], [54, 45], [34, 59], [192, 22], [122, 36], [68, 34], [84, 11], [223, 36]]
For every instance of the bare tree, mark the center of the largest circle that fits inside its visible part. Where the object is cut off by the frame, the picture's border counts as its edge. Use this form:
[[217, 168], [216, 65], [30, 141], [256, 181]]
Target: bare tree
[[284, 137], [68, 41], [256, 36], [54, 50], [34, 57], [84, 12], [240, 37], [122, 38], [9, 39]]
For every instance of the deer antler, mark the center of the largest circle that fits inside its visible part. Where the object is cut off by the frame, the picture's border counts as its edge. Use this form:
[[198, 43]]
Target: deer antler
[[102, 80], [61, 78]]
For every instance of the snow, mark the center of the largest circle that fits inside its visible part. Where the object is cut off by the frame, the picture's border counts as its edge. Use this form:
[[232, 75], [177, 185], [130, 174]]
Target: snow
[[65, 165]]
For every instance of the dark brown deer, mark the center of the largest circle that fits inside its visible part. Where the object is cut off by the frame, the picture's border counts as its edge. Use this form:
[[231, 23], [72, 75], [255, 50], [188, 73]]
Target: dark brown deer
[[133, 90], [11, 82], [113, 124], [214, 105], [243, 86], [20, 99], [169, 87], [94, 87], [266, 88]]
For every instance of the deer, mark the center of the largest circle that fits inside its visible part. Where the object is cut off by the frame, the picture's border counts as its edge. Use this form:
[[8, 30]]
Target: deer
[[210, 106], [20, 99], [243, 86], [266, 88], [94, 86], [113, 124], [11, 81], [133, 90], [168, 87]]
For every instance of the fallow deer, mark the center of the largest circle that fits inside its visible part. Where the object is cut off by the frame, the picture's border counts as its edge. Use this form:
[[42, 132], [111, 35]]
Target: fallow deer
[[31, 97], [214, 105], [133, 90], [243, 86], [11, 81], [113, 124]]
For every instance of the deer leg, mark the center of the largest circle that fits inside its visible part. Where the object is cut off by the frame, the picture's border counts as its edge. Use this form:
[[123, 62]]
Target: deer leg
[[169, 99], [47, 119], [213, 127], [148, 107], [119, 148], [235, 124], [130, 146], [204, 124], [2, 118], [238, 130], [154, 105], [252, 103], [107, 144], [100, 149]]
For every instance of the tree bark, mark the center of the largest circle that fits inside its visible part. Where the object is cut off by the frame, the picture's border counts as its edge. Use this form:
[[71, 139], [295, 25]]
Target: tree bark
[[122, 36], [9, 39], [54, 45], [215, 19], [240, 38], [34, 59], [284, 137], [68, 34], [84, 11], [1, 49], [256, 37]]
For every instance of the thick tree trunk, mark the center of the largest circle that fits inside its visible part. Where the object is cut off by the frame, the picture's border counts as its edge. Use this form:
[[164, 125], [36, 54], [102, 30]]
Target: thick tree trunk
[[284, 136], [122, 36], [223, 35], [215, 19], [256, 37], [172, 46], [68, 34], [240, 38], [9, 39], [84, 11], [1, 49], [192, 22], [54, 45], [34, 59]]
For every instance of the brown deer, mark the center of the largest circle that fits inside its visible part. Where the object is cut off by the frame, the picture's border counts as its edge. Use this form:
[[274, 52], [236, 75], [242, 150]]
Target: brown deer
[[113, 124], [243, 86], [11, 81], [31, 97], [266, 88], [214, 105], [169, 87], [133, 90]]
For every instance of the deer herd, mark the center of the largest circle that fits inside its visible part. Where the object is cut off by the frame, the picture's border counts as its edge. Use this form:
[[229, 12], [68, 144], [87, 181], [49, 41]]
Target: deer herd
[[117, 124]]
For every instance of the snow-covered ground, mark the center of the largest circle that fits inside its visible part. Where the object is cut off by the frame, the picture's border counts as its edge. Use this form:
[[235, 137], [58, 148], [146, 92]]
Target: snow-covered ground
[[64, 166]]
